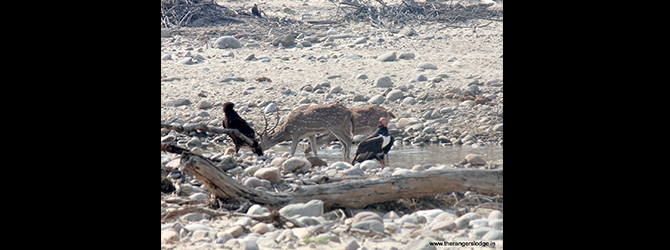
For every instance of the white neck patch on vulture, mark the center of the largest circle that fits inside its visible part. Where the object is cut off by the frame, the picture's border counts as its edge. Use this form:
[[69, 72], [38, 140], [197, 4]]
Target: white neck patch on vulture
[[387, 140]]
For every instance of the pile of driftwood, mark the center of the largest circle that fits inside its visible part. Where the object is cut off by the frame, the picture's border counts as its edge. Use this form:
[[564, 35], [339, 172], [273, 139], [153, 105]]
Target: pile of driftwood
[[409, 12], [195, 13]]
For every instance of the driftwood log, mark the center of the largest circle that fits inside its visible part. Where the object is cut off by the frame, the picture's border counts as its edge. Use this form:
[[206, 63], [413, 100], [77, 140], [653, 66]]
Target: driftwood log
[[352, 194]]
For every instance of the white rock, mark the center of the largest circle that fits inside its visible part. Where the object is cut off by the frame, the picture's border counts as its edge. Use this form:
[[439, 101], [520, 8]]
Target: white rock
[[361, 76], [369, 164], [493, 235], [496, 223], [335, 89], [186, 61], [409, 100], [199, 197], [495, 214], [479, 232], [203, 104], [464, 221], [401, 172], [498, 127], [270, 108], [340, 165], [479, 223], [255, 210]]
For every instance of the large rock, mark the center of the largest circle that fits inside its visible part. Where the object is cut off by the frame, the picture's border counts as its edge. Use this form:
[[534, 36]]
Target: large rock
[[311, 208], [226, 42], [271, 174]]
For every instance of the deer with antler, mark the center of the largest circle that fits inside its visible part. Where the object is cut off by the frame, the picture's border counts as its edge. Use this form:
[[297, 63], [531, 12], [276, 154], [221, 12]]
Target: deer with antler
[[308, 121], [366, 120]]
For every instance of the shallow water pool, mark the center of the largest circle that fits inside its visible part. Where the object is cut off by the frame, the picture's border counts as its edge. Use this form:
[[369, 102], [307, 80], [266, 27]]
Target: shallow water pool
[[408, 156]]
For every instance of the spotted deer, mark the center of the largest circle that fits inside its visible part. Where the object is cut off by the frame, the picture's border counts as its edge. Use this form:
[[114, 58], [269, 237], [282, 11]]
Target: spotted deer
[[366, 120], [308, 121]]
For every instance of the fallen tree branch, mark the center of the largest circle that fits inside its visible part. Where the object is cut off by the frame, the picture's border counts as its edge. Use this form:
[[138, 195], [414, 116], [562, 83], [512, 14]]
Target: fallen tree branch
[[206, 128], [352, 194]]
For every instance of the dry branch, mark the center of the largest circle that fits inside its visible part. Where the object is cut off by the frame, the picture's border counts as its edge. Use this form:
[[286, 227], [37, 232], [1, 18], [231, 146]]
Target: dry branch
[[352, 194], [206, 128]]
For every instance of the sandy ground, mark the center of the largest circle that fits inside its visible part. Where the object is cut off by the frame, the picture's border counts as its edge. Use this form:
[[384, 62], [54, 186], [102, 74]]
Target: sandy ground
[[460, 53]]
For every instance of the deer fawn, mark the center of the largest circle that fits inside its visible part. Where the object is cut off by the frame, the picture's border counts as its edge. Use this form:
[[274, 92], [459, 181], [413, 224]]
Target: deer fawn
[[309, 121], [366, 120]]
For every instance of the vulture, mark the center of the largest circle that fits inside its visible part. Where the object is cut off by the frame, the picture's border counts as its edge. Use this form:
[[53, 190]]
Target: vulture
[[375, 146], [234, 121], [255, 11]]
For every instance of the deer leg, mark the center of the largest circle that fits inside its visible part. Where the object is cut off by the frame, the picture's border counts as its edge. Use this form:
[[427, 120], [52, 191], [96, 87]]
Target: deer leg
[[313, 144], [346, 144], [320, 140], [294, 144]]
